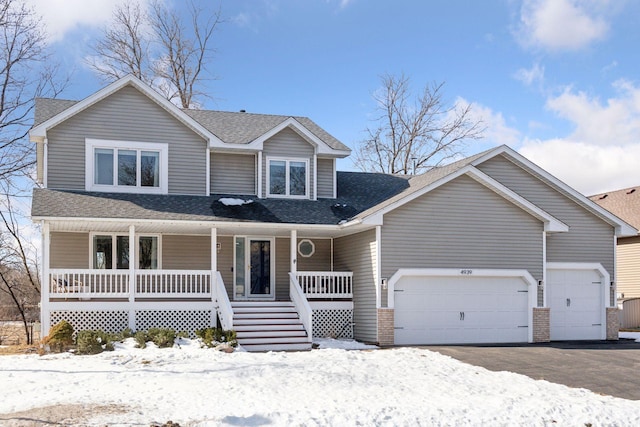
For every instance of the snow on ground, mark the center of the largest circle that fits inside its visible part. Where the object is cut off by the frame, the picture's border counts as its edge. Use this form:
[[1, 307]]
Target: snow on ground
[[204, 387], [630, 335]]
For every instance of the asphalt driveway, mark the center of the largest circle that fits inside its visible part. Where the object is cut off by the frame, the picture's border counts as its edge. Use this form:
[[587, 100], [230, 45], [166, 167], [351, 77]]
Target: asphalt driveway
[[606, 367]]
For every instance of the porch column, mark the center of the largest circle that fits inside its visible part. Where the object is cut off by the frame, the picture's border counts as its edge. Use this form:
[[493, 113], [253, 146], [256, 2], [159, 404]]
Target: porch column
[[45, 316], [132, 276], [294, 251], [214, 262]]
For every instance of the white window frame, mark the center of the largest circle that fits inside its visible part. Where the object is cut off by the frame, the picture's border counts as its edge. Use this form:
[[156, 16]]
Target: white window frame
[[287, 161], [161, 148], [114, 250]]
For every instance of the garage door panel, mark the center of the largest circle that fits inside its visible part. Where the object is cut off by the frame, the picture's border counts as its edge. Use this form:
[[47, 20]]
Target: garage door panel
[[428, 310]]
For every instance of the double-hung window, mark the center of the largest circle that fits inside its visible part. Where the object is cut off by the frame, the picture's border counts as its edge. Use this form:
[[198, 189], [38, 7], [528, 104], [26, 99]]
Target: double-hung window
[[126, 166], [288, 178], [111, 251]]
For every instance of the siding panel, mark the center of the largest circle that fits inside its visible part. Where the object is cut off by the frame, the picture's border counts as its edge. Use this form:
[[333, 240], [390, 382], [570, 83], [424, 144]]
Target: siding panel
[[225, 263], [589, 239], [233, 173], [357, 253], [325, 177], [127, 115], [461, 225], [186, 252], [287, 144], [320, 260], [69, 250], [629, 267]]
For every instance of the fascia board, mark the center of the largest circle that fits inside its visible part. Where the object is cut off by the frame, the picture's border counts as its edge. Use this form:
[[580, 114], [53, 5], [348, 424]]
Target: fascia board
[[41, 129], [622, 228]]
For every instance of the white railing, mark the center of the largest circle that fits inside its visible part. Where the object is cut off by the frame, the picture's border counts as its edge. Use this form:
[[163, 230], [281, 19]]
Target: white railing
[[302, 305], [326, 284], [223, 305], [85, 283], [173, 283]]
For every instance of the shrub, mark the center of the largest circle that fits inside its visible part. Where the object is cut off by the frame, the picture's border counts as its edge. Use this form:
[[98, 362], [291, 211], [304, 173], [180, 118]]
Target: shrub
[[141, 338], [60, 337], [162, 337], [212, 337], [93, 342]]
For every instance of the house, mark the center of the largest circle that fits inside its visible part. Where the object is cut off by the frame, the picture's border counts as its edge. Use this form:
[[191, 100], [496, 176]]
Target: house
[[625, 204], [156, 216]]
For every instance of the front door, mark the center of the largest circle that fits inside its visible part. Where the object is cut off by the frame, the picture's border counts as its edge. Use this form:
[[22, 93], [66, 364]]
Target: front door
[[261, 274]]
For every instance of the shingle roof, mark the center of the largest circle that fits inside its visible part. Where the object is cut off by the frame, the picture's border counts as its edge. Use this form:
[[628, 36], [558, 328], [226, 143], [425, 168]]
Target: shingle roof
[[230, 127], [358, 192], [623, 203]]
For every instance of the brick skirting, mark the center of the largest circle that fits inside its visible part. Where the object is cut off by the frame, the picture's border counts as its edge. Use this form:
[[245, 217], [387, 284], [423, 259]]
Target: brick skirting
[[385, 327], [541, 329]]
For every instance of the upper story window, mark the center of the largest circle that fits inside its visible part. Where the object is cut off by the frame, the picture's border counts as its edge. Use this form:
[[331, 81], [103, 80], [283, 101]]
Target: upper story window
[[288, 178], [130, 167]]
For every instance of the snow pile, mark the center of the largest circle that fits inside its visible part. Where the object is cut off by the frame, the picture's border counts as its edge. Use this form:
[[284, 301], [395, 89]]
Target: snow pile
[[204, 387], [344, 344], [630, 335], [228, 201]]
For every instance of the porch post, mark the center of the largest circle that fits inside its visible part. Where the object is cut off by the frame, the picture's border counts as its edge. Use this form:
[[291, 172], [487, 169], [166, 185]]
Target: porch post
[[294, 251], [214, 262], [45, 316], [132, 276]]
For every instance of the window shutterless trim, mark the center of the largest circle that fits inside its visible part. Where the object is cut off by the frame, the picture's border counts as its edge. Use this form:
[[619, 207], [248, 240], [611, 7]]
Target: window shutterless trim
[[287, 162]]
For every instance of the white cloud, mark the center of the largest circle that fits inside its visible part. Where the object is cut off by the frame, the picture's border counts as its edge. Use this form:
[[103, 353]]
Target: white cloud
[[62, 16], [562, 24], [588, 168], [497, 131], [530, 76]]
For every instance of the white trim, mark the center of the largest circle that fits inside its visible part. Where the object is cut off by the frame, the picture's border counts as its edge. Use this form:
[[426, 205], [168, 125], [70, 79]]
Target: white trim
[[551, 224], [458, 272], [331, 305], [622, 228], [45, 317], [604, 281], [45, 163], [287, 161], [614, 279], [315, 177], [544, 269], [313, 248], [208, 172], [138, 146], [293, 239], [259, 157], [272, 267], [378, 268], [214, 250], [335, 179], [129, 80], [132, 264]]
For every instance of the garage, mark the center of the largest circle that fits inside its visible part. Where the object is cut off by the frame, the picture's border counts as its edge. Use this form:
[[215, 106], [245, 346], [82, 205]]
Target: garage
[[576, 295], [444, 306]]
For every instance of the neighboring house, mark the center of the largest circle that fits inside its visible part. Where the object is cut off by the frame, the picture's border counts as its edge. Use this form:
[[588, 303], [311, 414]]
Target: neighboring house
[[626, 205], [156, 216]]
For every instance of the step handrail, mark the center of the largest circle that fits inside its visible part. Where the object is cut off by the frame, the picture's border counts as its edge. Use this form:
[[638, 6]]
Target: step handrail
[[302, 305], [223, 305]]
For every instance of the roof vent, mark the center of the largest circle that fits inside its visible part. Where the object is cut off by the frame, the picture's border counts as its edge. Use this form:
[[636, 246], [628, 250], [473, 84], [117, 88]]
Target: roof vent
[[604, 196], [243, 111], [633, 190]]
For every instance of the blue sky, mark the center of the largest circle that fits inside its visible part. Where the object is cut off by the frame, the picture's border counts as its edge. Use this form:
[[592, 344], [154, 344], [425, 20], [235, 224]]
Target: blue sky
[[558, 80]]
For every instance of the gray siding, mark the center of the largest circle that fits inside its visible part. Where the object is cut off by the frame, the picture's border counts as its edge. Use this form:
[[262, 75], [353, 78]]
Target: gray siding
[[357, 253], [233, 173], [69, 250], [186, 252], [225, 262], [320, 260], [628, 279], [589, 239], [40, 161], [283, 267], [126, 115], [287, 144], [325, 177], [461, 225]]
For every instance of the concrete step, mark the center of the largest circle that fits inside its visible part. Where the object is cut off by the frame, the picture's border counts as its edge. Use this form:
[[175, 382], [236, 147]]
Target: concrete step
[[262, 321], [265, 309], [273, 340], [265, 315], [269, 327], [278, 347], [246, 335], [262, 304]]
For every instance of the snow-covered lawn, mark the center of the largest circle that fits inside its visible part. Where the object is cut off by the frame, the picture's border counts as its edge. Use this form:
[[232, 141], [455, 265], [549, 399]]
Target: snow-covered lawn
[[337, 387]]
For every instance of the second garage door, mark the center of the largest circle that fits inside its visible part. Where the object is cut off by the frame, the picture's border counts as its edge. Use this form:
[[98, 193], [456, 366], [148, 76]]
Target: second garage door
[[460, 309]]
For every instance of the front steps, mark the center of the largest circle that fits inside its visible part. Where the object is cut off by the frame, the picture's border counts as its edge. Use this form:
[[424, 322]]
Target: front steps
[[269, 326]]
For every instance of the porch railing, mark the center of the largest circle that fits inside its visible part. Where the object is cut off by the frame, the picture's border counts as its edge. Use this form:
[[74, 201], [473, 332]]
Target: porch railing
[[326, 284], [223, 305], [173, 283], [88, 283], [302, 305]]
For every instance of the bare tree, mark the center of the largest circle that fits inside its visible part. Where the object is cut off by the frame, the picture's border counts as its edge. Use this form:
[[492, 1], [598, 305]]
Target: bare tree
[[414, 133], [26, 72], [159, 48]]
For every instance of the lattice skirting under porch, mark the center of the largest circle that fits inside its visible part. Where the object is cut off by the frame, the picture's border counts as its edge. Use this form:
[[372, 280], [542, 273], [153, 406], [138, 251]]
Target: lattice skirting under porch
[[116, 321], [333, 323]]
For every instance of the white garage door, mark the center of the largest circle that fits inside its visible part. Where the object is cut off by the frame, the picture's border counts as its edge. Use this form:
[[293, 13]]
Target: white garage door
[[575, 298], [460, 309]]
